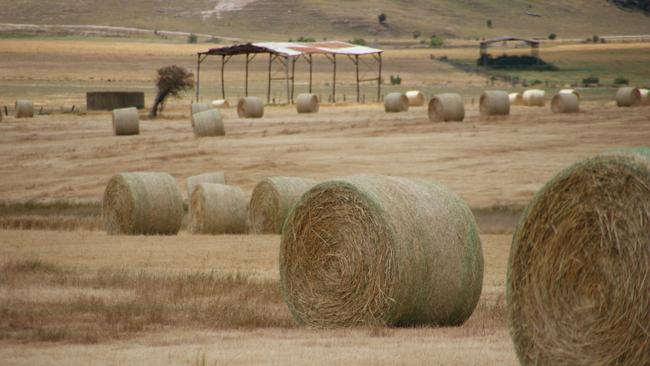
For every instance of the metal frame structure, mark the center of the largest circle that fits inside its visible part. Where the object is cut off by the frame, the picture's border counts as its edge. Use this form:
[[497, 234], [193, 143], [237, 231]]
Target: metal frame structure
[[534, 46], [286, 55]]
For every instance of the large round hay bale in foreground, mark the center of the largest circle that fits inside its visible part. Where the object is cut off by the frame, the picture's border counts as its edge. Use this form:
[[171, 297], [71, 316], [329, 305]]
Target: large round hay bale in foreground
[[565, 103], [250, 107], [126, 121], [376, 250], [534, 98], [218, 209], [24, 109], [446, 107], [208, 123], [578, 289], [307, 103], [494, 103], [416, 98], [628, 97], [142, 204], [272, 200], [214, 177], [396, 103], [515, 99]]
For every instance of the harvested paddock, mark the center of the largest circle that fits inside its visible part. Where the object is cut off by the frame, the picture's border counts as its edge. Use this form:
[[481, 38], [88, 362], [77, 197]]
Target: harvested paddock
[[126, 121], [446, 107], [587, 279], [378, 250], [218, 209]]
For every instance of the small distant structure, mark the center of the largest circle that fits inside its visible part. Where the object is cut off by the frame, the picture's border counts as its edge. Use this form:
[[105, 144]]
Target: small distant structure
[[286, 54], [109, 100], [530, 13], [534, 46]]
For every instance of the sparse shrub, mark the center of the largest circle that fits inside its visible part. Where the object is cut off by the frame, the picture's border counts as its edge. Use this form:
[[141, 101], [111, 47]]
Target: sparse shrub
[[590, 80], [621, 81], [552, 36], [358, 41], [395, 80], [436, 42], [304, 39], [595, 39], [382, 18], [171, 81], [489, 23], [192, 38], [416, 34]]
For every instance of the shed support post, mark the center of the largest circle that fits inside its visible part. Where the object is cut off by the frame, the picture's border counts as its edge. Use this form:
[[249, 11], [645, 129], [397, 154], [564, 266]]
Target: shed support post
[[379, 81], [310, 72], [334, 80], [246, 82], [293, 77], [268, 90], [198, 77], [286, 78], [356, 63], [223, 83]]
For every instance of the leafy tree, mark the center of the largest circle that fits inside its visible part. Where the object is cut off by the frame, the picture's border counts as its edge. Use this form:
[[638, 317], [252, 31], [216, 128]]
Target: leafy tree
[[358, 41], [171, 81], [621, 81], [436, 42], [382, 18], [489, 23], [552, 36]]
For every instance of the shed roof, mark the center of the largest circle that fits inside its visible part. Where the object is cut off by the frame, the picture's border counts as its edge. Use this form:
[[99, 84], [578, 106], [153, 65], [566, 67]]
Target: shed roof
[[503, 39], [293, 49]]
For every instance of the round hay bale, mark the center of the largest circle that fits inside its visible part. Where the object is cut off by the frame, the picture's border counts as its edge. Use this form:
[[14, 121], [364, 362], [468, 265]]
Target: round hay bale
[[571, 91], [214, 178], [494, 103], [534, 98], [218, 209], [416, 98], [645, 96], [515, 99], [272, 200], [142, 204], [628, 97], [307, 103], [220, 104], [376, 250], [396, 103], [208, 123], [577, 289], [126, 121], [250, 107], [24, 109], [565, 103], [446, 107]]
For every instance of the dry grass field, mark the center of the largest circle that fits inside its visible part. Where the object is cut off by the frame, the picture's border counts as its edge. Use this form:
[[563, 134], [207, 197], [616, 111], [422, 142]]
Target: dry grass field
[[77, 296]]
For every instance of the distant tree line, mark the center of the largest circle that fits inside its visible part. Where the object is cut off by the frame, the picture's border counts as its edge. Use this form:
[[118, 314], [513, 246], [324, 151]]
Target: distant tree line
[[633, 5]]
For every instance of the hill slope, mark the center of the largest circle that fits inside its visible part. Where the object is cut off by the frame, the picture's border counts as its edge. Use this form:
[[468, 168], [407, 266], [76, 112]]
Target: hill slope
[[282, 19]]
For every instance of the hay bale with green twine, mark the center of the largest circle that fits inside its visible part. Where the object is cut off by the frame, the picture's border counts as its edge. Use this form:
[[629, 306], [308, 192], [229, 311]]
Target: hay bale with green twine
[[307, 103], [126, 121], [208, 123], [494, 103], [416, 98], [212, 177], [272, 200], [218, 209], [24, 109], [377, 250], [396, 103], [534, 98], [565, 103], [446, 107], [142, 204], [577, 289], [250, 107], [628, 97]]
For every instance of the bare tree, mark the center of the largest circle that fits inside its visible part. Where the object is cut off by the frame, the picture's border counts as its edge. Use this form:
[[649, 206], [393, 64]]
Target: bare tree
[[171, 81]]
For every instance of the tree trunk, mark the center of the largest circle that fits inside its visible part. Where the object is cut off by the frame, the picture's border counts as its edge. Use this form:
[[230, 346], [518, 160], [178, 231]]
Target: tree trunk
[[158, 103]]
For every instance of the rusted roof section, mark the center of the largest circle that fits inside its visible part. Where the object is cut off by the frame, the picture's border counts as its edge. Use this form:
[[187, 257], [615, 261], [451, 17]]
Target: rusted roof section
[[293, 49], [505, 39]]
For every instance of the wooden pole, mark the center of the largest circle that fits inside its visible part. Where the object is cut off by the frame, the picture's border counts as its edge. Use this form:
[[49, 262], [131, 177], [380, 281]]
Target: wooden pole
[[268, 90], [334, 80], [286, 78], [246, 86], [356, 63], [198, 76], [310, 71], [379, 81], [293, 77], [223, 83]]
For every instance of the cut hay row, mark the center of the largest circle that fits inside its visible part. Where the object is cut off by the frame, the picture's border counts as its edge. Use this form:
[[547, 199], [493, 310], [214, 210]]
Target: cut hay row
[[220, 104], [446, 107], [272, 200], [628, 97], [307, 103], [515, 99], [494, 103], [534, 98], [208, 123], [565, 103], [416, 98], [214, 177], [396, 103], [376, 250], [24, 109], [218, 209], [577, 289], [126, 121], [142, 204], [250, 107]]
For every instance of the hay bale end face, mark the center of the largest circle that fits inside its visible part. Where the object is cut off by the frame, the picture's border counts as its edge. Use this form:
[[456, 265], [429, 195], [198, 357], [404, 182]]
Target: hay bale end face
[[565, 103], [142, 204], [628, 97], [250, 107], [376, 250], [214, 177], [208, 123], [416, 98], [126, 121], [515, 99], [396, 103], [494, 103], [220, 104], [272, 200], [645, 96], [446, 107], [534, 98], [307, 103], [218, 209], [579, 265], [24, 109]]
